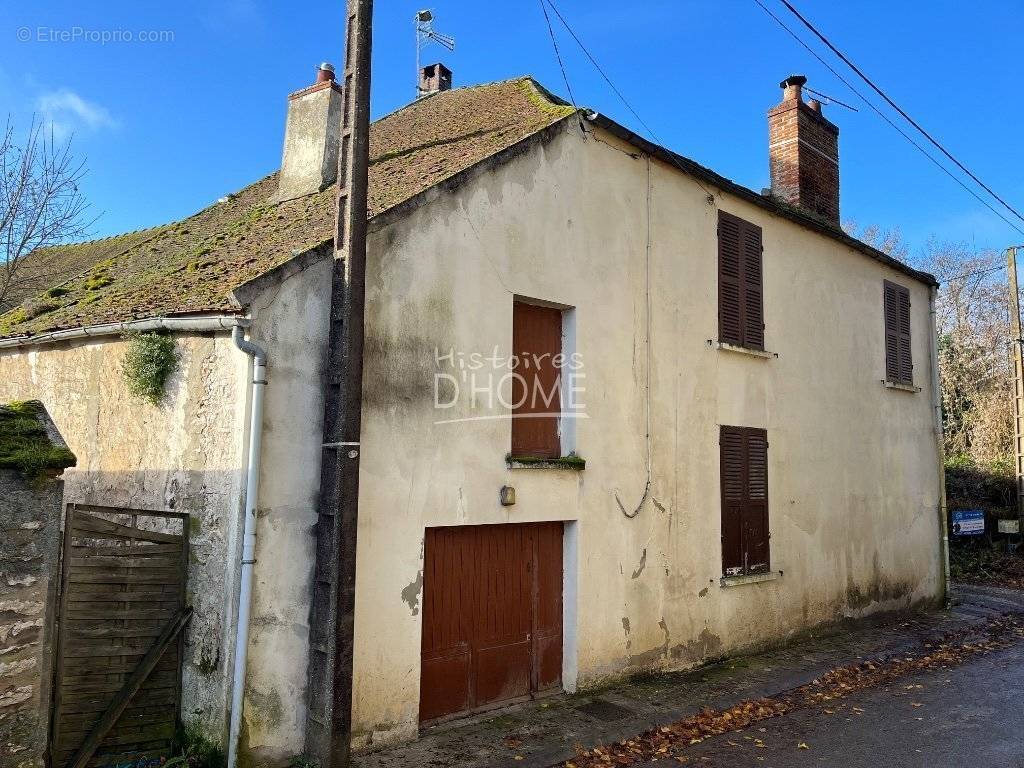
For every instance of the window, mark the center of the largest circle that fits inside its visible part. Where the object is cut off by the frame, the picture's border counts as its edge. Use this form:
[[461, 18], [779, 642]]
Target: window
[[740, 294], [899, 367], [536, 387], [744, 457]]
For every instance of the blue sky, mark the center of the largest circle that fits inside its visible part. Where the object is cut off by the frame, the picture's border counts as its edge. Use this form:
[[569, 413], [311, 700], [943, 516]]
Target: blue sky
[[169, 126]]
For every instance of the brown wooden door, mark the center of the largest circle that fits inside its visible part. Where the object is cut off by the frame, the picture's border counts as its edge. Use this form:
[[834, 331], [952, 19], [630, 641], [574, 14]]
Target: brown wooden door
[[492, 616], [536, 386]]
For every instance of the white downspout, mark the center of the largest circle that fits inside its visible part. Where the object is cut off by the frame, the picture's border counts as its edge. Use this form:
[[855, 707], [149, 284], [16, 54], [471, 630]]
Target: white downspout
[[940, 447], [252, 487]]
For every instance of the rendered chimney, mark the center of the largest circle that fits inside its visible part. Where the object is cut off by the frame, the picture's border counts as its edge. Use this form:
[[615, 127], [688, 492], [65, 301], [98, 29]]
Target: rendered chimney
[[434, 78], [311, 138], [803, 152]]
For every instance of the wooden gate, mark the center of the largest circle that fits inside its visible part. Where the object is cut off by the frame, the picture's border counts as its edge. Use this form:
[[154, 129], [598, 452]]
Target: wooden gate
[[492, 616], [122, 610]]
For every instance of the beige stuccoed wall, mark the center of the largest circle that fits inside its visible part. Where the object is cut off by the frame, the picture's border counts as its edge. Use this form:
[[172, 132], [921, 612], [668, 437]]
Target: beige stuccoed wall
[[186, 455], [853, 477], [290, 319]]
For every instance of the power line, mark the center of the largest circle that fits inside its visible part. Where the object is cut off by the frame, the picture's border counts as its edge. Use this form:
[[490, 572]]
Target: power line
[[885, 117], [558, 55], [597, 66], [977, 273], [895, 106], [618, 93]]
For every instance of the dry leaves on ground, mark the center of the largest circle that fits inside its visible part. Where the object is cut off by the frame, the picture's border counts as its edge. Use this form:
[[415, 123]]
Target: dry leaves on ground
[[950, 650]]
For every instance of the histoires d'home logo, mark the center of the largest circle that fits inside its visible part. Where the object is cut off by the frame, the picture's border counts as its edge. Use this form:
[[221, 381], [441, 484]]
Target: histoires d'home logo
[[478, 386]]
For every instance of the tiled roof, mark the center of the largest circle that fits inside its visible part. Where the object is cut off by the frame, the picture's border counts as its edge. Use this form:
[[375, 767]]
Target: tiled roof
[[191, 266]]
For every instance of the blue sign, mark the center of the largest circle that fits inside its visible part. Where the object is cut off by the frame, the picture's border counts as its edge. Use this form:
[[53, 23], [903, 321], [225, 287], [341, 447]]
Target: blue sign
[[969, 522]]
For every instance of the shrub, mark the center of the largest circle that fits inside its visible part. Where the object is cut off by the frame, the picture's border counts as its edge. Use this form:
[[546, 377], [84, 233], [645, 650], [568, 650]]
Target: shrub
[[150, 361]]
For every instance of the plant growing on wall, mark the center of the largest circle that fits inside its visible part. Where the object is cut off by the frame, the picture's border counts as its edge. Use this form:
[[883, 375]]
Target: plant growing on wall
[[150, 361]]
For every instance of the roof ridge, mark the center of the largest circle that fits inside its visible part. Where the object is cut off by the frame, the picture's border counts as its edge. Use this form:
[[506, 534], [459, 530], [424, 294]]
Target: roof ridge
[[423, 99]]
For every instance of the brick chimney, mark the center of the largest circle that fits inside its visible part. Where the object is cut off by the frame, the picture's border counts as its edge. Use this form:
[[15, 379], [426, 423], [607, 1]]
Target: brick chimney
[[434, 78], [311, 137], [803, 151]]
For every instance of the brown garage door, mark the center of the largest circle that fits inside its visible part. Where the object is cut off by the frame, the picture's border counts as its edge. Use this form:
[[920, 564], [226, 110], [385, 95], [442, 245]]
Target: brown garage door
[[492, 616]]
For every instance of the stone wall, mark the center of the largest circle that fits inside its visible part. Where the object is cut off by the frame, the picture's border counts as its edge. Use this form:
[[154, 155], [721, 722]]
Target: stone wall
[[30, 512]]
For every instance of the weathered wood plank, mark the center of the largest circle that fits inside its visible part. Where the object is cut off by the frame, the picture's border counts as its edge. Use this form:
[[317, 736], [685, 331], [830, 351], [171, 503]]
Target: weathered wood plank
[[88, 683], [86, 526], [106, 633], [161, 699], [89, 576], [143, 611], [142, 549], [129, 560]]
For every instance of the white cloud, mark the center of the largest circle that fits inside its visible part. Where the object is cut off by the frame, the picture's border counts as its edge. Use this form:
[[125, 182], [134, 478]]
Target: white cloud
[[65, 112]]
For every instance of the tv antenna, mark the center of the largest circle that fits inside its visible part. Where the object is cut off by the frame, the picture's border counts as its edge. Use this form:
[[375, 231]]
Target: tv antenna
[[425, 35]]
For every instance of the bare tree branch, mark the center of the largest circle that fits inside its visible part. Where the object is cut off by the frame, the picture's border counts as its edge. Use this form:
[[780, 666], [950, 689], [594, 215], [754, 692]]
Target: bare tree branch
[[41, 205]]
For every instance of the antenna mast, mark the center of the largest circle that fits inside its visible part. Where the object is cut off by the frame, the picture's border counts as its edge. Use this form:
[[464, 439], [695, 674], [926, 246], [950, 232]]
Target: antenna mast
[[425, 35]]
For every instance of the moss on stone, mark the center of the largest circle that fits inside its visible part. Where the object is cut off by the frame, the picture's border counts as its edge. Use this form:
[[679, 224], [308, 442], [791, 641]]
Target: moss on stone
[[24, 443]]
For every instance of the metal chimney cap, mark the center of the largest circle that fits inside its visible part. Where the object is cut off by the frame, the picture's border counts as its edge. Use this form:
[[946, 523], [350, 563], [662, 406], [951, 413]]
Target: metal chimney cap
[[327, 66], [424, 15], [797, 80]]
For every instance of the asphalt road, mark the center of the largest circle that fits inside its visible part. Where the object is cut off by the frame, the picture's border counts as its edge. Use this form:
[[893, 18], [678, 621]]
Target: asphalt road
[[972, 715]]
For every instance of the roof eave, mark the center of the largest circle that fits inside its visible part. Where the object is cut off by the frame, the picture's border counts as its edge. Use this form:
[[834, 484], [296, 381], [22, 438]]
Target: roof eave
[[698, 171]]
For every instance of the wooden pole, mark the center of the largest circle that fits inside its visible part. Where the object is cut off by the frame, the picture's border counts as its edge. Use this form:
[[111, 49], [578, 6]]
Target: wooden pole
[[1018, 380], [329, 721]]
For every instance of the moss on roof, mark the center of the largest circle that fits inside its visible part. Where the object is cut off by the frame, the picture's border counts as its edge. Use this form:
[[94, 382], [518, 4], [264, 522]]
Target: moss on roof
[[191, 266], [48, 267], [25, 442]]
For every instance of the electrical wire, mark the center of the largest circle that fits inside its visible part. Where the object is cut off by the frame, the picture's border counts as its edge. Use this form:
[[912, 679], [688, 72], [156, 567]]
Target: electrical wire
[[886, 118], [977, 273], [617, 92], [558, 55], [647, 383], [895, 106]]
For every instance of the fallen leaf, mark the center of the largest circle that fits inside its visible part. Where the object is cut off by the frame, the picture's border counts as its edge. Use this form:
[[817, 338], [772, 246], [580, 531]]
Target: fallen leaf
[[802, 745]]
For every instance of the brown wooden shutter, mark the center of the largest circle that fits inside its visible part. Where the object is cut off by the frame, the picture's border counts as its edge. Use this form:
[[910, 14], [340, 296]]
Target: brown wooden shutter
[[745, 530], [755, 540], [733, 498], [536, 387], [753, 305], [730, 280], [899, 366], [740, 283]]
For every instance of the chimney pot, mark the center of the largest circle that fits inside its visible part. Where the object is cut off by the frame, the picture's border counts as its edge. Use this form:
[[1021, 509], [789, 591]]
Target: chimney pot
[[325, 73], [792, 86], [815, 105]]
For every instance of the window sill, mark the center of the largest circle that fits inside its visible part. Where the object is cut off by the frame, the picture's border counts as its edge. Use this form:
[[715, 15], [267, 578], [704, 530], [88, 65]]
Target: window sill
[[743, 350], [570, 462], [900, 387], [751, 578]]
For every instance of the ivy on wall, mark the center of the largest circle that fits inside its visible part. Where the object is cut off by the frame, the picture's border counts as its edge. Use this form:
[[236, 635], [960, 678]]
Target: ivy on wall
[[151, 360]]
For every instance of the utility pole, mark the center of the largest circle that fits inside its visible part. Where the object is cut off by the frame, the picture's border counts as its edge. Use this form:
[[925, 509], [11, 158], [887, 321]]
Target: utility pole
[[1018, 381], [329, 718]]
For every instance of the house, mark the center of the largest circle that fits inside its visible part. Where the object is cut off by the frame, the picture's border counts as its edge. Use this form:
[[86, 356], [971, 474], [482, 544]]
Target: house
[[724, 406]]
